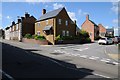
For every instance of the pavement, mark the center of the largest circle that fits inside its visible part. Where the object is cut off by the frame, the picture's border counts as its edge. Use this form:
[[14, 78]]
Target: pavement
[[114, 52]]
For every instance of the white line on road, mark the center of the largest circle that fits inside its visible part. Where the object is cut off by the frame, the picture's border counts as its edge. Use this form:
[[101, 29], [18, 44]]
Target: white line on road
[[83, 56], [116, 63], [93, 57], [81, 49], [7, 75], [105, 60]]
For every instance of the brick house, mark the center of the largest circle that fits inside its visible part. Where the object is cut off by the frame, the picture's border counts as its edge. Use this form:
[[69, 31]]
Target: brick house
[[23, 26], [91, 28], [110, 32], [102, 30], [54, 23]]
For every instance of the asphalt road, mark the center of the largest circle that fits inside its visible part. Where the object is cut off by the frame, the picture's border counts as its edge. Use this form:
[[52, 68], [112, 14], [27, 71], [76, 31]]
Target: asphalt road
[[21, 60]]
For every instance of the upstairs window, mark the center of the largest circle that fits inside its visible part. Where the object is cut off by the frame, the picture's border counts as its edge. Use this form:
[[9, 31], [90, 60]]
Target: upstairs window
[[66, 23], [46, 22], [38, 24], [59, 20], [16, 26]]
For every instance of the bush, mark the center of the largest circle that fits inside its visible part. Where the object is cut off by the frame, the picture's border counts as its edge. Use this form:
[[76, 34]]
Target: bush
[[39, 38], [67, 38], [28, 36], [58, 38], [33, 36]]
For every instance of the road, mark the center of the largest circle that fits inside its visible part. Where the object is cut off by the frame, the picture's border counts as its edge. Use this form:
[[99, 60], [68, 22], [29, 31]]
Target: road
[[22, 60]]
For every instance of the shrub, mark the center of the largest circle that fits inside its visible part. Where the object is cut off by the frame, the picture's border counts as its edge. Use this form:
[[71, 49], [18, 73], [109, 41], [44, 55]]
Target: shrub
[[39, 38], [88, 40], [28, 36], [58, 38], [33, 36]]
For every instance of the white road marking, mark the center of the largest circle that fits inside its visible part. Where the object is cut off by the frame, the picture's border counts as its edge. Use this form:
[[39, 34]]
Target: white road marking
[[7, 75], [105, 60], [93, 57], [81, 49], [83, 56], [115, 63]]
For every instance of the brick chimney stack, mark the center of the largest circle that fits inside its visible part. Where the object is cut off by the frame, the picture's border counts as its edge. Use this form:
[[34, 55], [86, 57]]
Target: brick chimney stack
[[87, 17], [43, 11]]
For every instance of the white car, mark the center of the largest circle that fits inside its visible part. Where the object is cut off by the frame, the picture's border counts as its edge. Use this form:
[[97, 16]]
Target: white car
[[105, 41]]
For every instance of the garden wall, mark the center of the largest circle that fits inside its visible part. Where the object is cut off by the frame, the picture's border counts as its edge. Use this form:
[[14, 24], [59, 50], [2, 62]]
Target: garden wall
[[41, 42]]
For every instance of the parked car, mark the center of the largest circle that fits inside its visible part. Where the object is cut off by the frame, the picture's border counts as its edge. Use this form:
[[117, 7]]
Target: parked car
[[105, 41], [116, 39]]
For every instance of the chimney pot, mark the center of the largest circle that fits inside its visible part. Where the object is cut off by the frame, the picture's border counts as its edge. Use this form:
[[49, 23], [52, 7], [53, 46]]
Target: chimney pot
[[87, 17], [27, 15], [43, 11]]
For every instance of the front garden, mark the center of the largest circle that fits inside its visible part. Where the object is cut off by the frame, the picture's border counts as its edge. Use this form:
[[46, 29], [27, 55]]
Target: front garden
[[37, 39]]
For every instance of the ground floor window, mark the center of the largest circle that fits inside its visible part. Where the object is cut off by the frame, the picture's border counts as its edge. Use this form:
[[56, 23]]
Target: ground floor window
[[63, 33], [67, 33], [38, 32]]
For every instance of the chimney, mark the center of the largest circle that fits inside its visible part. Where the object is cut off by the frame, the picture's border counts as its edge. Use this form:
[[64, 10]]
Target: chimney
[[19, 20], [22, 18], [43, 11], [13, 23], [87, 17], [27, 15], [75, 21]]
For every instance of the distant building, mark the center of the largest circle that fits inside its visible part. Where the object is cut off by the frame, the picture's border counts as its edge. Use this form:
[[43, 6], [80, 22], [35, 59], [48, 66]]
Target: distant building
[[91, 28], [110, 32], [1, 34], [54, 23], [23, 26], [7, 33], [102, 30]]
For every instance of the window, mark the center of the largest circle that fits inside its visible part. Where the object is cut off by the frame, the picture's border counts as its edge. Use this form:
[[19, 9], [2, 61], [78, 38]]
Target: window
[[63, 33], [13, 28], [59, 21], [38, 32], [38, 24], [66, 22], [46, 22], [67, 33], [16, 26]]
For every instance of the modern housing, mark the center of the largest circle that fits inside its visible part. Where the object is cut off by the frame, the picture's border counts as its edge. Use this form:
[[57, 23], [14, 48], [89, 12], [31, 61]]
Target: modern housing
[[54, 23]]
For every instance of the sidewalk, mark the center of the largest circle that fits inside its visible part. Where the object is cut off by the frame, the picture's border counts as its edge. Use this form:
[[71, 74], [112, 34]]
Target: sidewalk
[[114, 52]]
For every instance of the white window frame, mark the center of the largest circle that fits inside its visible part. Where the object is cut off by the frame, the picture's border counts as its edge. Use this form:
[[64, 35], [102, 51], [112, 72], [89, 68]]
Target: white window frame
[[66, 22], [63, 32], [16, 26], [67, 33], [46, 22], [38, 32], [38, 24], [60, 21]]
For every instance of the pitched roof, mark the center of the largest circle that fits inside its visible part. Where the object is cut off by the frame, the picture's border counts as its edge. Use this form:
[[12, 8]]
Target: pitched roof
[[47, 27], [110, 30], [50, 14], [93, 23]]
